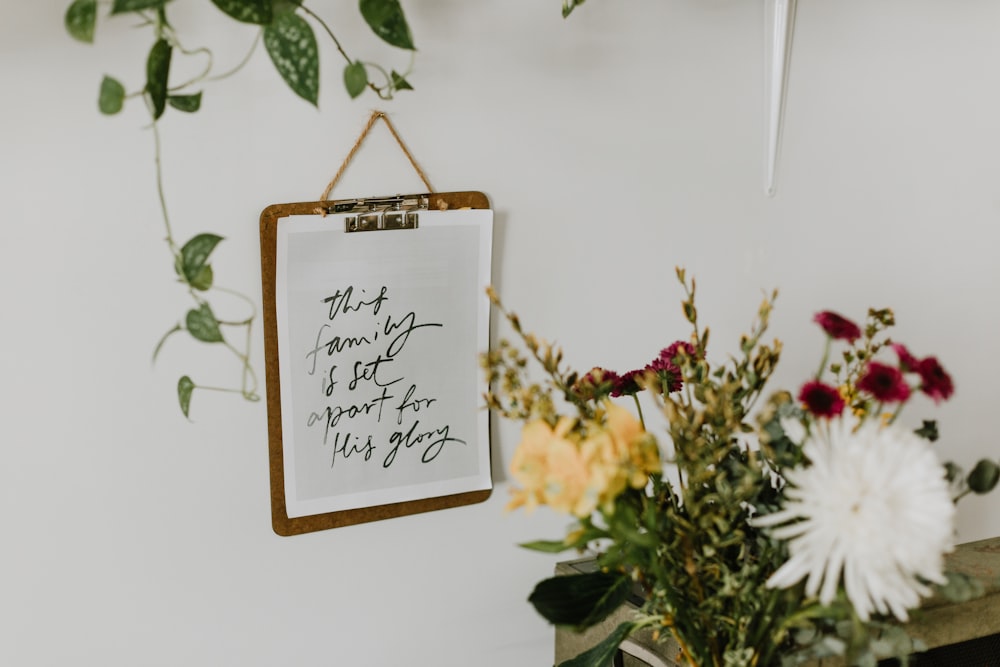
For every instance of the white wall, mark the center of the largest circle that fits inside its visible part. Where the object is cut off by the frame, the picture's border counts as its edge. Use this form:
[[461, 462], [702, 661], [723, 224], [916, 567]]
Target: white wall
[[614, 146]]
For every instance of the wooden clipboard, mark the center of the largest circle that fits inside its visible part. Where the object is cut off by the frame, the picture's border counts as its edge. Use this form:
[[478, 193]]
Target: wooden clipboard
[[270, 218]]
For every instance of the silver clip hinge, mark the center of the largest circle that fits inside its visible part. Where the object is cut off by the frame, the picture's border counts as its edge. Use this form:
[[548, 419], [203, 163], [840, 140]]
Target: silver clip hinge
[[385, 213]]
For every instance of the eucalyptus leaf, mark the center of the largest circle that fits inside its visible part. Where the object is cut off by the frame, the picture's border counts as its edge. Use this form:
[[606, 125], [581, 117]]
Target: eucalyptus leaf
[[603, 653], [157, 73], [247, 11], [960, 587], [195, 253], [184, 388], [80, 19], [291, 44], [580, 600], [400, 83], [984, 476], [201, 323], [355, 78], [186, 103], [123, 6], [386, 19], [111, 98]]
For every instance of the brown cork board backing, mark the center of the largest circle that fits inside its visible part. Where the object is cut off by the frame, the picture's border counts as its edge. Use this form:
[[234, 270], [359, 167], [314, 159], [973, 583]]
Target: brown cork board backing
[[280, 521]]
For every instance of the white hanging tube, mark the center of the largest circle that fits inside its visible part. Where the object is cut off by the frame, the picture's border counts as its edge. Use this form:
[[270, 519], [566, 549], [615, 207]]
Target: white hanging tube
[[781, 22]]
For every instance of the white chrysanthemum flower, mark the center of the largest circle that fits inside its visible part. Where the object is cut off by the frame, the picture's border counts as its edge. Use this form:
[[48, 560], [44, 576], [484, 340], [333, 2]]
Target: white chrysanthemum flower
[[873, 510], [793, 428]]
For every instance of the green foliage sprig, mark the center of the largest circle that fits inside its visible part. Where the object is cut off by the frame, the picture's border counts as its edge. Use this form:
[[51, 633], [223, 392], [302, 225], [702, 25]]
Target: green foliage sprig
[[291, 44]]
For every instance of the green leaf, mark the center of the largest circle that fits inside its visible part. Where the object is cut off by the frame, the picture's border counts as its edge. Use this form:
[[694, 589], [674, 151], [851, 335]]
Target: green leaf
[[928, 431], [689, 312], [546, 546], [194, 255], [399, 83], [203, 281], [157, 73], [184, 388], [984, 476], [163, 340], [81, 17], [580, 600], [953, 472], [567, 9], [187, 103], [202, 324], [579, 540], [960, 587], [122, 6], [385, 18], [247, 11], [112, 96], [291, 44], [355, 78], [603, 653]]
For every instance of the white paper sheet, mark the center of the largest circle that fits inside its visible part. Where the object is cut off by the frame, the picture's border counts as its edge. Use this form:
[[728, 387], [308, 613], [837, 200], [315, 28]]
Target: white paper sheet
[[378, 341]]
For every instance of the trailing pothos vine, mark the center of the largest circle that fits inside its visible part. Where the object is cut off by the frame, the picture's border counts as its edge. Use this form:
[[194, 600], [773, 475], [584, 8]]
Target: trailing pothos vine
[[285, 28]]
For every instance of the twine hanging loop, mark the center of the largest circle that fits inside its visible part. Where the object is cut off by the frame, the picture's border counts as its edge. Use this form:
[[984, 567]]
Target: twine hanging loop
[[376, 115]]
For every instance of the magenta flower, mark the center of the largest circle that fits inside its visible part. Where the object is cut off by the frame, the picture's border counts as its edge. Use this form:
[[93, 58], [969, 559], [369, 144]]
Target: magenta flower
[[821, 399], [934, 380], [885, 383], [672, 351], [666, 372], [837, 326], [596, 384], [907, 361], [627, 384]]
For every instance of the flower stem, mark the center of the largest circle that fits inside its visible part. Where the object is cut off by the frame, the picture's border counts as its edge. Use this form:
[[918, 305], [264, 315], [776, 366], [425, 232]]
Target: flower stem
[[638, 407], [826, 357]]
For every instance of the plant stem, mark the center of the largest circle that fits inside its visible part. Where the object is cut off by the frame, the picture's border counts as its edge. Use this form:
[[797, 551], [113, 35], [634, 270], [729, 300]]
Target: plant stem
[[336, 43], [638, 407], [242, 63], [159, 183], [826, 357]]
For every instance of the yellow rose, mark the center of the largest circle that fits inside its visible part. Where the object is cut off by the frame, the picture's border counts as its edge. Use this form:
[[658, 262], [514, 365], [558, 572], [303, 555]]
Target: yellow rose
[[529, 465]]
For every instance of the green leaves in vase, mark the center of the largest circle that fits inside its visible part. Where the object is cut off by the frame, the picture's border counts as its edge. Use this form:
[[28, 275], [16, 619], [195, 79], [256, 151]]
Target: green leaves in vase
[[580, 600]]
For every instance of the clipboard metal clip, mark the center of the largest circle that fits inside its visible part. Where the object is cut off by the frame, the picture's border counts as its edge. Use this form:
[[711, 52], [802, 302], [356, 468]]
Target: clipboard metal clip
[[383, 213]]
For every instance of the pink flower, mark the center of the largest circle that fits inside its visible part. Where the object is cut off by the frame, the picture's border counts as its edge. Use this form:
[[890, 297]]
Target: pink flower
[[837, 326], [906, 360], [821, 399], [667, 373], [671, 352], [885, 383], [934, 380], [627, 384], [596, 384]]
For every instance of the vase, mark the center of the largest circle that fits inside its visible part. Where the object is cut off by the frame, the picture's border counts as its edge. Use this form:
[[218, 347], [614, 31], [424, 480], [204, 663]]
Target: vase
[[957, 634]]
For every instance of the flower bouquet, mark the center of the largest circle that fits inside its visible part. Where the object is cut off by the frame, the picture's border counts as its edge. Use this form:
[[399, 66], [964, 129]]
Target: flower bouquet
[[758, 532]]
